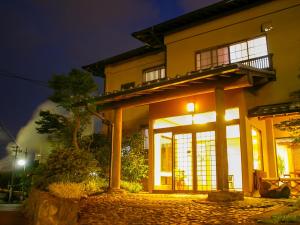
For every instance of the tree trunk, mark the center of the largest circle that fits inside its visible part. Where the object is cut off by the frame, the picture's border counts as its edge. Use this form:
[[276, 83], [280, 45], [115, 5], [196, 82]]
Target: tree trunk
[[75, 133]]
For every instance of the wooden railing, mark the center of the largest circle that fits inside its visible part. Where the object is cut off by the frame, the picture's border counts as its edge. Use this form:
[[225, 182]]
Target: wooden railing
[[263, 62]]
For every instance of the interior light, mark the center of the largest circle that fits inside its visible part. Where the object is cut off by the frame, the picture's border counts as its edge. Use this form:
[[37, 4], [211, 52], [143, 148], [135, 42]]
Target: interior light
[[190, 107]]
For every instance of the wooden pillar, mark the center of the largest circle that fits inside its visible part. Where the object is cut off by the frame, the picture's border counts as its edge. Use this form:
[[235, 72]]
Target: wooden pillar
[[116, 150], [271, 147], [221, 142]]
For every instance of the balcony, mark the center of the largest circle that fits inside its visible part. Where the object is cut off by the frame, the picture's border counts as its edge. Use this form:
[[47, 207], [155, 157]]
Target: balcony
[[262, 62]]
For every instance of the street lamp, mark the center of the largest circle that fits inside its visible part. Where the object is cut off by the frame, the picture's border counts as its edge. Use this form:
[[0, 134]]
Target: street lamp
[[21, 162]]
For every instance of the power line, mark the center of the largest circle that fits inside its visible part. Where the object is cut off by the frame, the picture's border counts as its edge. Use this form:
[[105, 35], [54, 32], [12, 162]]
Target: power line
[[8, 74]]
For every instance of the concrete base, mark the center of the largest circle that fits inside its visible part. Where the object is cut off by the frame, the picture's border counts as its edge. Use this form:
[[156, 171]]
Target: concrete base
[[225, 196], [116, 191]]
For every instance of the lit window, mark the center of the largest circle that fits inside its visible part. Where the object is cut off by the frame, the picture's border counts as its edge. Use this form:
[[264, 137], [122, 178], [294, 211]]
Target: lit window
[[154, 74], [232, 114], [163, 161], [233, 53], [212, 57], [202, 118], [257, 150]]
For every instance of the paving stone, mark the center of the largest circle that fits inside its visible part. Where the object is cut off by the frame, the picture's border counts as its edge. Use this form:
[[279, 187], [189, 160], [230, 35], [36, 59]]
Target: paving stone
[[141, 209]]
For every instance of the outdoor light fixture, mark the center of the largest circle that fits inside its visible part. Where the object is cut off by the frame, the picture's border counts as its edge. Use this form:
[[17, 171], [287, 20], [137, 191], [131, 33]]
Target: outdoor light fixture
[[21, 162], [190, 107]]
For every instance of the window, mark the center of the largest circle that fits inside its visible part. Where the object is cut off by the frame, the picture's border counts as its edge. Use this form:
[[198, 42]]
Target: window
[[233, 53], [127, 86], [154, 74], [257, 149], [212, 57]]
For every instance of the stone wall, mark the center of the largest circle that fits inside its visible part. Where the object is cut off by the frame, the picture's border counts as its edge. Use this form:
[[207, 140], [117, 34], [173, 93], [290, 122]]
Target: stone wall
[[43, 208]]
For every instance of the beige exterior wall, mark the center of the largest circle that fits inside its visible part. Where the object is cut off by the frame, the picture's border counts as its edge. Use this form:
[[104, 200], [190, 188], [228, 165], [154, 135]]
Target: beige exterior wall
[[283, 42], [131, 71]]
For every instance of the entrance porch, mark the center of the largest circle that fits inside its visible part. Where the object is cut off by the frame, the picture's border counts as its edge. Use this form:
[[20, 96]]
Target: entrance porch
[[208, 148]]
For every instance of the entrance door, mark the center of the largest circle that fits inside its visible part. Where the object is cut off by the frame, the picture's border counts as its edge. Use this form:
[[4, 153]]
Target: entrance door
[[206, 161], [183, 158]]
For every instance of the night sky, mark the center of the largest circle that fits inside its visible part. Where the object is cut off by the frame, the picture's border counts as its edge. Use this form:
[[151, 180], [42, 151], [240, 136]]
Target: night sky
[[40, 38]]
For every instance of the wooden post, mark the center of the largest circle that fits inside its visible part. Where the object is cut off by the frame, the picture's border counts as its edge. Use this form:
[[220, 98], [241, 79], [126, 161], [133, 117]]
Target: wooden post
[[221, 142], [271, 148], [116, 150]]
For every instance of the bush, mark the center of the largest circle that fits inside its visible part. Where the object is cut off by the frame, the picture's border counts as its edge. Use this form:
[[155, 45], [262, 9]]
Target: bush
[[70, 165], [67, 190], [134, 158], [95, 185], [132, 187]]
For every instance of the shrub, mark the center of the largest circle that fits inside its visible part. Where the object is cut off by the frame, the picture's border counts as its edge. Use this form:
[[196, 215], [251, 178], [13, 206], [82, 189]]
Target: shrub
[[67, 190], [70, 165], [134, 158], [94, 185], [132, 187]]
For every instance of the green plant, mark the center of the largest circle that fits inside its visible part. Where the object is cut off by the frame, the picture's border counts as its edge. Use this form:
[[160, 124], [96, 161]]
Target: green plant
[[280, 165], [67, 165], [132, 187], [67, 190], [94, 185], [134, 158]]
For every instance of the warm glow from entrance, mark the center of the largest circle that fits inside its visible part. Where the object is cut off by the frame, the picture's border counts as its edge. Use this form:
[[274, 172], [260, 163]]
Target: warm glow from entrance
[[190, 107]]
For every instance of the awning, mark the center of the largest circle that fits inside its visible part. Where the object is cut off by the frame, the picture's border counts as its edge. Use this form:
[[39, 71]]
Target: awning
[[229, 76], [275, 109]]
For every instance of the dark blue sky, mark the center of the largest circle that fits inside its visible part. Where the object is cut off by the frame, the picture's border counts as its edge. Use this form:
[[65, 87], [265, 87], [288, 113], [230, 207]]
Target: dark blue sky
[[41, 37]]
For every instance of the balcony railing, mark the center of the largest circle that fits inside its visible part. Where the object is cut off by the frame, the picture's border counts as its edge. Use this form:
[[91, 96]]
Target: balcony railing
[[262, 62]]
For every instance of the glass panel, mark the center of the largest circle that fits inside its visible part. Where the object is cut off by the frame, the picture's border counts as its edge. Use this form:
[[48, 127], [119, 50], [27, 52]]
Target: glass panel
[[232, 114], [183, 162], [199, 118], [206, 161], [198, 61], [223, 56], [238, 52], [173, 121], [163, 161], [205, 59], [202, 118], [257, 150], [162, 73], [257, 47], [234, 157], [285, 164]]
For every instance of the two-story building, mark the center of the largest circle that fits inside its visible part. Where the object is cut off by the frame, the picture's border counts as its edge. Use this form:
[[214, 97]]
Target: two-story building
[[207, 88]]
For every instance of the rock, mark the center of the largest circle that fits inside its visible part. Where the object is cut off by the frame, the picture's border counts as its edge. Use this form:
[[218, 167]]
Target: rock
[[267, 191], [225, 196]]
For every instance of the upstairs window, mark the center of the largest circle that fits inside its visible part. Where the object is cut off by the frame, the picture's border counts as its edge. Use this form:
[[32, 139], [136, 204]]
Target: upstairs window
[[233, 53], [212, 57], [154, 74]]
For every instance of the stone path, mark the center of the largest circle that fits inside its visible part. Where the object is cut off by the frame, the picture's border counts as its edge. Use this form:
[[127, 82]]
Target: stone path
[[143, 209]]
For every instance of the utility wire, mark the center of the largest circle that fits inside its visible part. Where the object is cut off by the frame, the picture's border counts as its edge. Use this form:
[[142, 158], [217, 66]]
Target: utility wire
[[7, 74], [8, 133]]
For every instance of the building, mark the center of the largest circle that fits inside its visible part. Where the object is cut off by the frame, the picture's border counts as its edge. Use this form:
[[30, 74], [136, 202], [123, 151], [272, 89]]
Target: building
[[209, 86]]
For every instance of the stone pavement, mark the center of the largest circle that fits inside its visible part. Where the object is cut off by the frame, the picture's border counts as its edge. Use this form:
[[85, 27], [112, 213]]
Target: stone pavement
[[158, 209]]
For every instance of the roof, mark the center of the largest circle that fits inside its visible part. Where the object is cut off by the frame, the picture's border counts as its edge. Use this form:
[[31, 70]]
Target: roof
[[154, 35], [275, 109], [97, 69], [228, 75]]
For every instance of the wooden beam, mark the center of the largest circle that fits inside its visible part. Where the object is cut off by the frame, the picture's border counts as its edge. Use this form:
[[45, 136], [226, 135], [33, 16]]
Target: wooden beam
[[194, 89]]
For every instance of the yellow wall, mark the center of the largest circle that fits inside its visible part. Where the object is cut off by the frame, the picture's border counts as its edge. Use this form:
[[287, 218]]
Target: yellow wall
[[131, 71], [283, 42]]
